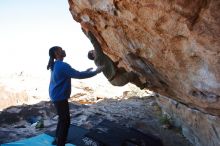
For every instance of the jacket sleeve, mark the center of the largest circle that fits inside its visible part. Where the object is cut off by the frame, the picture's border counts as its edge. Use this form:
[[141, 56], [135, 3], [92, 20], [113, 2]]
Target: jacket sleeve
[[70, 72]]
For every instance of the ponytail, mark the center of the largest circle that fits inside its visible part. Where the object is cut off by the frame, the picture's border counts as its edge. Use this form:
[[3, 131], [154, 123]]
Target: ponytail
[[50, 63], [52, 57]]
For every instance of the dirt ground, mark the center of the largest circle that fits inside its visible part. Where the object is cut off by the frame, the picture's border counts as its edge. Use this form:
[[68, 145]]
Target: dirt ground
[[141, 113]]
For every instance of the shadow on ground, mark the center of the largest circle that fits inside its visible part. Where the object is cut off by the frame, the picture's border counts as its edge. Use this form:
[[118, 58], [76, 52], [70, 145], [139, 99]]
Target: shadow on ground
[[141, 113]]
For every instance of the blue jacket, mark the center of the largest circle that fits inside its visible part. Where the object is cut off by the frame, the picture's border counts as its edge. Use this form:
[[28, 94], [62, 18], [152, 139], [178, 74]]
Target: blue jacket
[[60, 82]]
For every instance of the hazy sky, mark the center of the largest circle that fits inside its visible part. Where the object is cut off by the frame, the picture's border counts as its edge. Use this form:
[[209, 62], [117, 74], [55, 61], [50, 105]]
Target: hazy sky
[[28, 28]]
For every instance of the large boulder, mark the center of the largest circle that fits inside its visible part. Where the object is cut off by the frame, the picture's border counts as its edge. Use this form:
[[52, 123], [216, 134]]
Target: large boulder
[[172, 45]]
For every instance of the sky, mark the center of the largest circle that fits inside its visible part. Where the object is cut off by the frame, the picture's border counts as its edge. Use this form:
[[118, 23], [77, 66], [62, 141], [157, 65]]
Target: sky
[[28, 28]]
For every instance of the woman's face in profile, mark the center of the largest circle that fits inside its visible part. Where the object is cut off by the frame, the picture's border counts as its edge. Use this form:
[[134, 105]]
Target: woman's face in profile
[[60, 53]]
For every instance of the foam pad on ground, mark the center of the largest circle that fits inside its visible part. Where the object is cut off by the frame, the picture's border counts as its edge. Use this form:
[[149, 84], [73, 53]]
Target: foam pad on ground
[[39, 140], [108, 133], [75, 134]]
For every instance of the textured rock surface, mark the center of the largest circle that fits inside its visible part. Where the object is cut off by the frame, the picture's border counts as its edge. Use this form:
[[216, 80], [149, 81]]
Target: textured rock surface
[[172, 45], [201, 129]]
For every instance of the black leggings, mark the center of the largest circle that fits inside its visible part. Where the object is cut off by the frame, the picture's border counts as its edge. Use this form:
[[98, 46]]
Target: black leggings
[[62, 108]]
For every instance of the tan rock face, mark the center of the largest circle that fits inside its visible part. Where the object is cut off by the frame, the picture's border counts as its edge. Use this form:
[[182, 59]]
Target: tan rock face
[[172, 45]]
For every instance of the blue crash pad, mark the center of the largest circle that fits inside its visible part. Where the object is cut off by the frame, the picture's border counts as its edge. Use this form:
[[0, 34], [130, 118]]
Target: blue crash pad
[[40, 140]]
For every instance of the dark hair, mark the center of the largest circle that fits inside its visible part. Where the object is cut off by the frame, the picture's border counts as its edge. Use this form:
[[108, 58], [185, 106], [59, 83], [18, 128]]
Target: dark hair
[[91, 55], [52, 57]]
